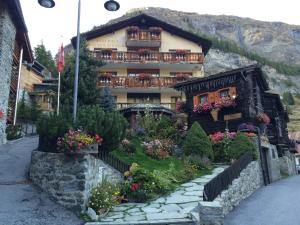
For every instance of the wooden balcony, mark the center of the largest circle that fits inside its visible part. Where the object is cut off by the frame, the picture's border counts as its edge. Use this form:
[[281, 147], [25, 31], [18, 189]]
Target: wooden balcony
[[143, 38], [149, 57], [136, 82]]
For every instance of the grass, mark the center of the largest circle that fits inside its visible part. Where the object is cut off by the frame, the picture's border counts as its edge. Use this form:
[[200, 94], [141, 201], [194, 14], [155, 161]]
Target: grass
[[150, 164]]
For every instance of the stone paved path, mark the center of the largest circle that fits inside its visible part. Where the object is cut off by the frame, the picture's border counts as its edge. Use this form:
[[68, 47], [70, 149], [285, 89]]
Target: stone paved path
[[275, 204], [21, 203], [175, 207]]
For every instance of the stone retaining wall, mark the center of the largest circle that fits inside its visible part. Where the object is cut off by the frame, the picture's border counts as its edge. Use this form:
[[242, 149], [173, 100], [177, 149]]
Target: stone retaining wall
[[213, 213], [69, 179], [288, 164], [7, 40]]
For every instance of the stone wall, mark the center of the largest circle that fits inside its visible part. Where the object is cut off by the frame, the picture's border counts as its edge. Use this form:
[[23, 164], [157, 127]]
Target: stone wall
[[250, 179], [7, 39], [69, 179], [288, 164]]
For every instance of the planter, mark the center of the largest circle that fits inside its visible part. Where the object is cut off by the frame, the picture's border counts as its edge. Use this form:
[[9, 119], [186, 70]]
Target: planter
[[214, 113]]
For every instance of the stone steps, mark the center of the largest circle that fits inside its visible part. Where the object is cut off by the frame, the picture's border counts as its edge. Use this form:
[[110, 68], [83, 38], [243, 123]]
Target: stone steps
[[185, 221]]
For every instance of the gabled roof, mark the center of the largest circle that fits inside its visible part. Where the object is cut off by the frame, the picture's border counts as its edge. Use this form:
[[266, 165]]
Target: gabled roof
[[15, 10], [150, 21], [238, 72]]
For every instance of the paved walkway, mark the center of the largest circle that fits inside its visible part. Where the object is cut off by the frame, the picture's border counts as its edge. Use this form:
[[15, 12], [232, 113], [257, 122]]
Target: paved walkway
[[21, 203], [175, 208], [275, 204]]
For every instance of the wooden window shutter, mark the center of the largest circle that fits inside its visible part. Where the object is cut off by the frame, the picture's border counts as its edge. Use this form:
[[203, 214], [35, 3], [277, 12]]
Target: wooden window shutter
[[232, 91], [196, 100], [211, 97]]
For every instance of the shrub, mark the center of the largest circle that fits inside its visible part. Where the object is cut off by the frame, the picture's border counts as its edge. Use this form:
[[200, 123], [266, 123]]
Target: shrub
[[199, 162], [128, 146], [197, 142], [13, 132], [50, 128], [111, 125], [157, 149], [240, 145], [104, 197]]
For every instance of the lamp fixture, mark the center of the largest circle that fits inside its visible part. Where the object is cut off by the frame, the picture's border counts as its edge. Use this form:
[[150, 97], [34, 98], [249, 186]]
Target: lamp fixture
[[111, 5], [47, 3]]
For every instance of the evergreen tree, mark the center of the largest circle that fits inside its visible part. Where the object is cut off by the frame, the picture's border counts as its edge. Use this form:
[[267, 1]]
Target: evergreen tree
[[288, 98], [44, 56], [197, 142], [107, 102], [88, 91]]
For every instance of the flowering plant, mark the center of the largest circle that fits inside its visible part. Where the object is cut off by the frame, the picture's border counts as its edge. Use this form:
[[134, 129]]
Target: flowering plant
[[144, 50], [157, 149], [263, 118], [219, 136], [179, 105], [204, 107], [127, 146], [104, 197], [182, 76], [75, 140], [144, 76], [1, 114], [224, 102], [246, 126]]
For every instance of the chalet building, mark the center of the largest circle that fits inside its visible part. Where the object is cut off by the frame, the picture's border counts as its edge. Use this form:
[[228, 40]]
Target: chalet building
[[143, 58], [235, 97], [14, 48]]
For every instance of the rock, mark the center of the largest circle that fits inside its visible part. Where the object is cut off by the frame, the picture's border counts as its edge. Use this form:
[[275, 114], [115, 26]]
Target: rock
[[92, 214]]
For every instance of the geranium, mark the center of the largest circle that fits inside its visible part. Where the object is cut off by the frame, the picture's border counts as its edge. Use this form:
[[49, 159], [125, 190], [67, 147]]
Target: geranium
[[219, 136], [75, 140], [134, 186], [224, 102], [204, 107]]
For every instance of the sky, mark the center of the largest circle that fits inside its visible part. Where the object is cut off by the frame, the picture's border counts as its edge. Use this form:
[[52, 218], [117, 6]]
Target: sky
[[59, 24]]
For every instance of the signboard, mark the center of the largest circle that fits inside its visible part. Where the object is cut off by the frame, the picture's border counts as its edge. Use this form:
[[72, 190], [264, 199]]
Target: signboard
[[233, 116]]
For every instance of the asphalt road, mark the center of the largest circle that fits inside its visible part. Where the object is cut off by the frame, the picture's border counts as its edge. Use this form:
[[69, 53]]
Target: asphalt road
[[275, 204], [22, 203]]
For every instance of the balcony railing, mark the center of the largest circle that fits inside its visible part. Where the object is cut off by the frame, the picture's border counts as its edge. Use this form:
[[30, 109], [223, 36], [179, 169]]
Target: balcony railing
[[166, 105], [149, 57], [136, 82]]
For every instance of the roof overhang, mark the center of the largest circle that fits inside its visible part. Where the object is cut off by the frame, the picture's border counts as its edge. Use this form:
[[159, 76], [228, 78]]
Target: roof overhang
[[150, 21]]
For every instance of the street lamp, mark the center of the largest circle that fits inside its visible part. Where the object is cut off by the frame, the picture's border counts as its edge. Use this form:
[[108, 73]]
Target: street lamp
[[110, 5]]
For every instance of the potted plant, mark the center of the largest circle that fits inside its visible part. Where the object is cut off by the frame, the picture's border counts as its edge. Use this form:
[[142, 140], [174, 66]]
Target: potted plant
[[76, 141]]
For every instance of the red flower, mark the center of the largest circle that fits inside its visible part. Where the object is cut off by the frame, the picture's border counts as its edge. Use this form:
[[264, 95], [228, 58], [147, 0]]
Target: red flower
[[134, 186], [98, 138], [1, 114]]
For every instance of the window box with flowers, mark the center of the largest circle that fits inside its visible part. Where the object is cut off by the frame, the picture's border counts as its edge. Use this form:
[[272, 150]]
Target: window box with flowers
[[76, 142], [203, 107]]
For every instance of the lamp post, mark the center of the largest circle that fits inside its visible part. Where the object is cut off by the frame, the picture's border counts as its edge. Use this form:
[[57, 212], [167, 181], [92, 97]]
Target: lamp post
[[110, 5]]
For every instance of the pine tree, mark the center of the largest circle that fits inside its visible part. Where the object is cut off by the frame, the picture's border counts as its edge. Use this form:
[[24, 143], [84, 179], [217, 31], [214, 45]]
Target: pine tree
[[88, 91], [197, 142], [107, 102], [44, 56]]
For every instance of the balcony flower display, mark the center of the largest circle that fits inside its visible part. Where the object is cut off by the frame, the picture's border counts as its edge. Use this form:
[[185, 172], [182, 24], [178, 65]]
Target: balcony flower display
[[144, 51], [224, 102], [76, 141], [204, 107], [263, 118], [182, 76], [144, 76]]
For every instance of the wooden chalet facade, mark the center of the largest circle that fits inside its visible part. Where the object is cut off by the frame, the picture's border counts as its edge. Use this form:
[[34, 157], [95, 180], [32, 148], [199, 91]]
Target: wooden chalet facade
[[235, 97], [144, 57]]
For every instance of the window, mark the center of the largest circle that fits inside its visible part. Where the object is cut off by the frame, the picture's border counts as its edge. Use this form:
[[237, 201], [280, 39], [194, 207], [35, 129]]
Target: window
[[224, 93], [203, 98]]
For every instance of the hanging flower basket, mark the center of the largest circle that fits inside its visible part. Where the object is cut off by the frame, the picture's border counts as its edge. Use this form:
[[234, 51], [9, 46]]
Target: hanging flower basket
[[263, 118]]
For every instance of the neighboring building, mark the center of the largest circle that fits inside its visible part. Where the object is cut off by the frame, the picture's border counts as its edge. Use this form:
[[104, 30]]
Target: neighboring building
[[45, 94], [235, 97], [144, 57], [14, 45]]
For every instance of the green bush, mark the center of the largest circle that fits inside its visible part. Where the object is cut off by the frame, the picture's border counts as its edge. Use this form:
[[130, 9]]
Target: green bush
[[50, 128], [104, 197], [219, 152], [13, 132], [199, 162], [110, 125], [197, 142], [240, 145]]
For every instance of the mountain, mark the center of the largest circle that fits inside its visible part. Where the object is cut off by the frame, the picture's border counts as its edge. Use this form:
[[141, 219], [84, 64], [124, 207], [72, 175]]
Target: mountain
[[239, 42]]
